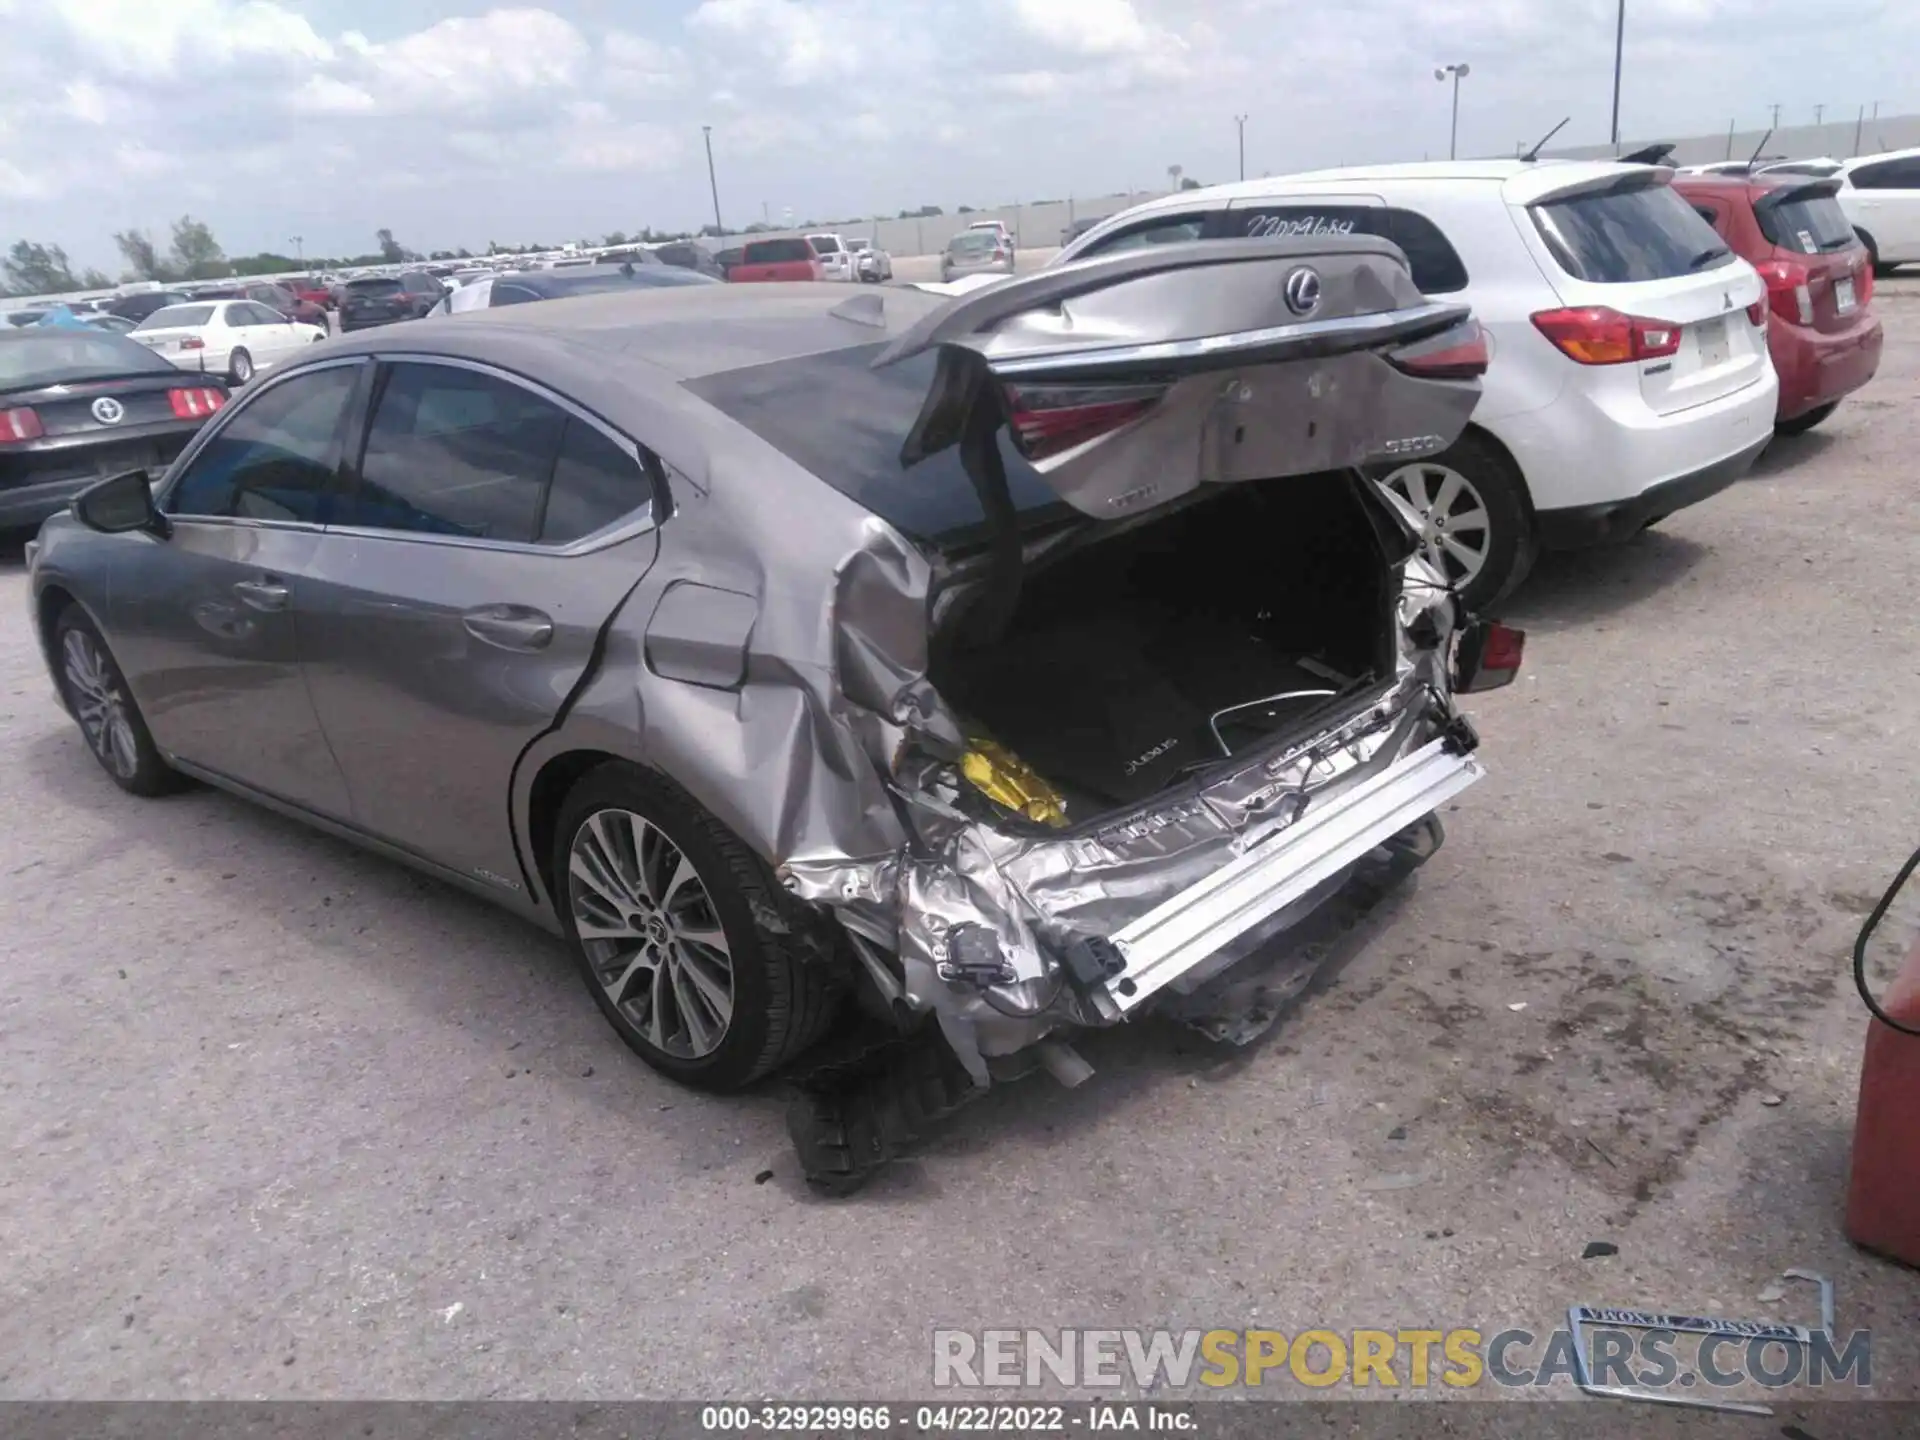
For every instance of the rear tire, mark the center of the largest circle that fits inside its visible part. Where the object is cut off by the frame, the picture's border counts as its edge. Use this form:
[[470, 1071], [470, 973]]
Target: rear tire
[[1800, 424], [1490, 487], [694, 924], [240, 367], [96, 695]]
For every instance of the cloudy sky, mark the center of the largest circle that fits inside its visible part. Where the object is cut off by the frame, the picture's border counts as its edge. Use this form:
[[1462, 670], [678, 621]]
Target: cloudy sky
[[454, 122]]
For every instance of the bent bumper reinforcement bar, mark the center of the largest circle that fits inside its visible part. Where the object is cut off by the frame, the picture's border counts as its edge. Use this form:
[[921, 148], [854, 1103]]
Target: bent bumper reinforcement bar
[[1177, 935]]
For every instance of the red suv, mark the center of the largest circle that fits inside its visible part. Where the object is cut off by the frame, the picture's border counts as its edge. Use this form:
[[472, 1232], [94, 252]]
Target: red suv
[[1824, 340], [776, 260]]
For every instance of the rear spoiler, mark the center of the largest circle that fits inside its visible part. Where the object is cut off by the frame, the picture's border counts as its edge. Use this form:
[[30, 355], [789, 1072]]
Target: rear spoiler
[[1537, 187], [1790, 191], [1652, 155]]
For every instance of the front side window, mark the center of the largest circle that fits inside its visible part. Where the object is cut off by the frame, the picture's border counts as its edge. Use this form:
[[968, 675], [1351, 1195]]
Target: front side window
[[1626, 236], [455, 452], [275, 458]]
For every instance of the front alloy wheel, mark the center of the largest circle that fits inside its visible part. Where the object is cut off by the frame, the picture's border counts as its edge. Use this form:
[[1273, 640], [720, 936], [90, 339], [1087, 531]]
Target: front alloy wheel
[[99, 705], [651, 934]]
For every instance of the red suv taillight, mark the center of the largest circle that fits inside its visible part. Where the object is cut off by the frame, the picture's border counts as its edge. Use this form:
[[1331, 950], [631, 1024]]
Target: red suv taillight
[[1863, 282], [19, 424], [1789, 289], [197, 403], [1600, 335], [1048, 419]]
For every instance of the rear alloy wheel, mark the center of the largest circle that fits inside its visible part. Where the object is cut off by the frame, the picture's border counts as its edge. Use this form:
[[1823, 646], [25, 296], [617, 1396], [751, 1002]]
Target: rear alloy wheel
[[1472, 519], [1800, 424], [96, 693], [666, 913], [240, 367]]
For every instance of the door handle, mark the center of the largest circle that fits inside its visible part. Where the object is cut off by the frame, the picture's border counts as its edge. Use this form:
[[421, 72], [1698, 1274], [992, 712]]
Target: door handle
[[511, 627], [263, 594]]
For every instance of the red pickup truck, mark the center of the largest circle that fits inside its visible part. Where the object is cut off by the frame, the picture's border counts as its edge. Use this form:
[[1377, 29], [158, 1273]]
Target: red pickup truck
[[776, 260]]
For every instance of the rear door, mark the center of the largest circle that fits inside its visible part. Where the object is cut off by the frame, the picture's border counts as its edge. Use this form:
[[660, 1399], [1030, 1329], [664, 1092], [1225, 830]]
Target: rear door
[[489, 531], [1629, 242], [1133, 379]]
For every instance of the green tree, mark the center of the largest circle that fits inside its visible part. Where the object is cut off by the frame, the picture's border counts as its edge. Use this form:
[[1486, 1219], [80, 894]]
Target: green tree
[[617, 237], [196, 254], [391, 251], [31, 269], [93, 279], [142, 258]]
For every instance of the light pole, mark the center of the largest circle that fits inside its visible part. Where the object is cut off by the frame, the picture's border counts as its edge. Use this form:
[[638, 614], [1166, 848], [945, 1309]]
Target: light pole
[[299, 254], [1459, 73], [1619, 54], [718, 229], [1240, 122]]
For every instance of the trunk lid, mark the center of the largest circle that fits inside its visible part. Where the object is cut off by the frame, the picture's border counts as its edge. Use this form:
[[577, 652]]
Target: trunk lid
[[1133, 379], [1807, 227], [73, 408], [1621, 239]]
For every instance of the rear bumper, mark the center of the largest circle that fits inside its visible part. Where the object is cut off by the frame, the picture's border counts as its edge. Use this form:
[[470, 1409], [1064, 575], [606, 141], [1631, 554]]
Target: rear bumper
[[1817, 368], [1576, 527], [1328, 839], [37, 483], [1598, 444]]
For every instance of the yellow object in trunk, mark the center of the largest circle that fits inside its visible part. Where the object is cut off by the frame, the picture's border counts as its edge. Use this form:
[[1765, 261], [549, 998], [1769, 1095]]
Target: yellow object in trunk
[[1006, 779]]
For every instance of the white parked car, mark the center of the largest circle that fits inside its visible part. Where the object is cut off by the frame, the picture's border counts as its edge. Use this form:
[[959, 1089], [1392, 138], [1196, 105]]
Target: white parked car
[[871, 264], [234, 338], [1630, 373], [836, 261], [1880, 196]]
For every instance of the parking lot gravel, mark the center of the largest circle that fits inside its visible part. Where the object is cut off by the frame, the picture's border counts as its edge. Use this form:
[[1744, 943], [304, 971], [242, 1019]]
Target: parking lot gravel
[[281, 1119]]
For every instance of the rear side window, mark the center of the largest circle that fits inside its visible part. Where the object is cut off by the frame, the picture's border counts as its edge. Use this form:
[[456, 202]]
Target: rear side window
[[455, 452], [275, 458], [844, 421], [1624, 237], [595, 482], [1888, 175], [1811, 225], [776, 252], [1436, 266]]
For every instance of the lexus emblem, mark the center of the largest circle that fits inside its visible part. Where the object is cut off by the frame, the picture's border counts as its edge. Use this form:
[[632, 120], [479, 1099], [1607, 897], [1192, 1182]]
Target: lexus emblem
[[109, 411], [1302, 291]]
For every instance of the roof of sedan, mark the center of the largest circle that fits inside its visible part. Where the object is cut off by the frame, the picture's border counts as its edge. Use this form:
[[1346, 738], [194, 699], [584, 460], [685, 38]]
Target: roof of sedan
[[684, 331]]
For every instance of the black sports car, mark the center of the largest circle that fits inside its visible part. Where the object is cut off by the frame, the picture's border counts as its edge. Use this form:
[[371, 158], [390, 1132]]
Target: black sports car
[[80, 404]]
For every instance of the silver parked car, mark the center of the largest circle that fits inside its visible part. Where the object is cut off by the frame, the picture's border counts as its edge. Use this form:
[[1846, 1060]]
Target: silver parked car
[[1008, 664], [976, 252]]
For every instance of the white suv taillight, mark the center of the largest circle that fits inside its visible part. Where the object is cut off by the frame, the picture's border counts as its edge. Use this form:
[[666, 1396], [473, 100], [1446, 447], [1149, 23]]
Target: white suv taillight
[[1600, 335]]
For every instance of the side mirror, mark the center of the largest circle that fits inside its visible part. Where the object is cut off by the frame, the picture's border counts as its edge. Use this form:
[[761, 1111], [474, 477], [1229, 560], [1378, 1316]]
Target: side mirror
[[120, 504]]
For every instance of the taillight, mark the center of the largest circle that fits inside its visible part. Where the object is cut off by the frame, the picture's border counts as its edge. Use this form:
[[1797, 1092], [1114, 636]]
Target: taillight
[[19, 424], [197, 403], [193, 342], [1600, 335], [1048, 419], [1863, 283], [1789, 288], [1486, 656], [1458, 354]]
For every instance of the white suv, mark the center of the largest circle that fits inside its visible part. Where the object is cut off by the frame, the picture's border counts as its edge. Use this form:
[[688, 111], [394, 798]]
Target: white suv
[[836, 261], [1630, 374]]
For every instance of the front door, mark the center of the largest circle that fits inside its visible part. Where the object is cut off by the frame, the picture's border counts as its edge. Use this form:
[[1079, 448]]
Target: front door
[[488, 533], [204, 619]]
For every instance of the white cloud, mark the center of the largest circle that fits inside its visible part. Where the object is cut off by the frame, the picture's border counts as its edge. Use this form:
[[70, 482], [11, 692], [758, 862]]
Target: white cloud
[[469, 62], [86, 101], [635, 60], [1086, 27], [808, 44], [144, 38], [640, 147], [324, 95]]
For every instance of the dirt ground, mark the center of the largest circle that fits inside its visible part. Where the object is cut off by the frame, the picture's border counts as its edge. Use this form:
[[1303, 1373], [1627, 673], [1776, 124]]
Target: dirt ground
[[279, 1119]]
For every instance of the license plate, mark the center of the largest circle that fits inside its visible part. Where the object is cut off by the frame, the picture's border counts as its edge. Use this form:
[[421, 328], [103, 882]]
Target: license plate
[[1711, 338], [1843, 299]]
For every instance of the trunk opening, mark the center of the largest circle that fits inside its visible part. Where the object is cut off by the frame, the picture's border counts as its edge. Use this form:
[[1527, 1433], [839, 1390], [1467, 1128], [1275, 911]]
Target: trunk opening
[[1134, 661]]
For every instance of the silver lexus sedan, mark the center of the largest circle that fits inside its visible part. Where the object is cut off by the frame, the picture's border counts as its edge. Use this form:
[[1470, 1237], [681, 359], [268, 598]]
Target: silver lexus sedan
[[1004, 665]]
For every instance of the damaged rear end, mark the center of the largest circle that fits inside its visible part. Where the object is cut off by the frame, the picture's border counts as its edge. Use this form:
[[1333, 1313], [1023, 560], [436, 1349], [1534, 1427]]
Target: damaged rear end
[[1186, 678]]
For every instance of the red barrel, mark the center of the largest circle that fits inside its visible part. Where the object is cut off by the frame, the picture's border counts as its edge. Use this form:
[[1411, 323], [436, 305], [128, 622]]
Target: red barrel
[[1883, 1191]]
